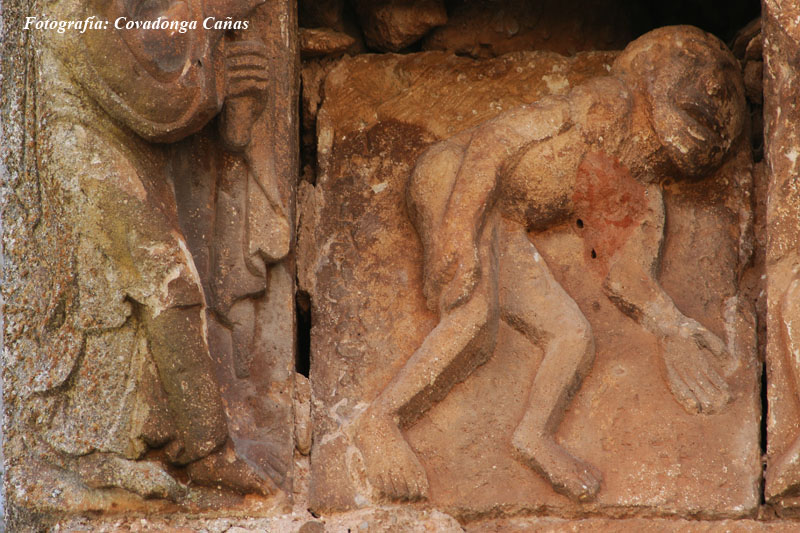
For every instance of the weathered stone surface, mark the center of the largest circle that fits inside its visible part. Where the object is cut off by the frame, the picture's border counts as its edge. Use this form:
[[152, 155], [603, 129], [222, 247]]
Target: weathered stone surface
[[391, 25], [781, 50], [321, 13], [337, 15], [251, 328], [315, 42], [748, 48], [302, 414], [489, 29], [312, 74], [635, 417], [379, 520], [148, 331], [597, 525], [409, 521]]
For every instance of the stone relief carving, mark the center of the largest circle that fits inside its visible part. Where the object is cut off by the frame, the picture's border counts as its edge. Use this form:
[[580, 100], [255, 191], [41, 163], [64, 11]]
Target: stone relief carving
[[672, 105], [134, 330], [781, 39], [552, 217], [783, 476], [526, 273]]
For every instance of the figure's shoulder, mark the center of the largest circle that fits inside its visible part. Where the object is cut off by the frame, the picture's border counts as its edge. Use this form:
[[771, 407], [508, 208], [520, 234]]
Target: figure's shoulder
[[533, 122], [609, 88], [601, 108], [605, 94]]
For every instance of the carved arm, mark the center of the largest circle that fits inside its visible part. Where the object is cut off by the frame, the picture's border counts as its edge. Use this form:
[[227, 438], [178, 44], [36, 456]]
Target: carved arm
[[689, 349]]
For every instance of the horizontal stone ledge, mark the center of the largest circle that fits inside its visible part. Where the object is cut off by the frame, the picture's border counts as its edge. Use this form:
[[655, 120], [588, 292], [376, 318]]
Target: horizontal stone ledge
[[410, 520]]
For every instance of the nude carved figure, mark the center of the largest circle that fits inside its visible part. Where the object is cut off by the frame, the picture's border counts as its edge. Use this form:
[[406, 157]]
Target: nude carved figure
[[672, 105]]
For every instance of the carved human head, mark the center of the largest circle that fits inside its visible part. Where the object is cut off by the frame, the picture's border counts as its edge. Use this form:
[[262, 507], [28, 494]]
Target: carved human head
[[692, 85]]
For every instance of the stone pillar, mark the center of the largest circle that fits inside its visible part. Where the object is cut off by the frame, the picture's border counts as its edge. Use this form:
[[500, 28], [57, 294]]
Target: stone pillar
[[781, 30]]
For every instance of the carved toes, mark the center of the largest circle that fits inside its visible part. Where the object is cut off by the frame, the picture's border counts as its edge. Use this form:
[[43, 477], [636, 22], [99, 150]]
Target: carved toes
[[393, 469]]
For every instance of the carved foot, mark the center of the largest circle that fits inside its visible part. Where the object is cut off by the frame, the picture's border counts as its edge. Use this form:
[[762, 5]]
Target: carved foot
[[568, 475], [783, 477], [145, 478], [392, 467], [225, 469]]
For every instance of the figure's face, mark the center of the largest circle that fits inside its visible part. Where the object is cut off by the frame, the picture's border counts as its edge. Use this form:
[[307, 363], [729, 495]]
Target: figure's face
[[698, 108]]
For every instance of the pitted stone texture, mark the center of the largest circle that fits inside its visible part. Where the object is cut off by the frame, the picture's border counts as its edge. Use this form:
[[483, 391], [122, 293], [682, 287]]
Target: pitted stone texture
[[391, 25], [319, 42], [409, 521], [379, 114], [110, 386], [781, 48], [336, 15], [378, 520], [599, 525]]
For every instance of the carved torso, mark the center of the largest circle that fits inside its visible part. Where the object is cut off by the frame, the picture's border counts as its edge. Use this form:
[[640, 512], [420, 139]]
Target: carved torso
[[536, 185]]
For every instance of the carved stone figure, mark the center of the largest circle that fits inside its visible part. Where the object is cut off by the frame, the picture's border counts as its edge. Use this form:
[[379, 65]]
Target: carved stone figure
[[674, 103], [233, 185], [526, 271], [117, 358]]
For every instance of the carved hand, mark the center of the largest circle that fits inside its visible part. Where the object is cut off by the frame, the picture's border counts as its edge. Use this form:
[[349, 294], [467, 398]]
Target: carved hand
[[247, 70], [691, 355]]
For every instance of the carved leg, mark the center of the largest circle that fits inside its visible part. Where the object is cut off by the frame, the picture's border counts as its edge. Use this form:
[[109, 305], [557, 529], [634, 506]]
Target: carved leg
[[178, 344], [464, 339], [783, 476], [533, 302], [243, 330]]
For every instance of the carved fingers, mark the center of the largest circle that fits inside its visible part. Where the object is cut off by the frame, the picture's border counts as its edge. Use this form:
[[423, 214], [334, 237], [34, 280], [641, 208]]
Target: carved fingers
[[397, 485], [248, 82], [247, 67], [692, 373], [707, 340]]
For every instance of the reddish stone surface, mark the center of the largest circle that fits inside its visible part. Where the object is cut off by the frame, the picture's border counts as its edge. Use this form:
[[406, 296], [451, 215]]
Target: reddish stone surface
[[610, 202], [595, 525], [379, 114], [391, 25], [781, 33], [148, 285]]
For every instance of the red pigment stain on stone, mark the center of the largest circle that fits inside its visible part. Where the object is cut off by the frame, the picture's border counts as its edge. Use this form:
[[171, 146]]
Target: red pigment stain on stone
[[610, 203]]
